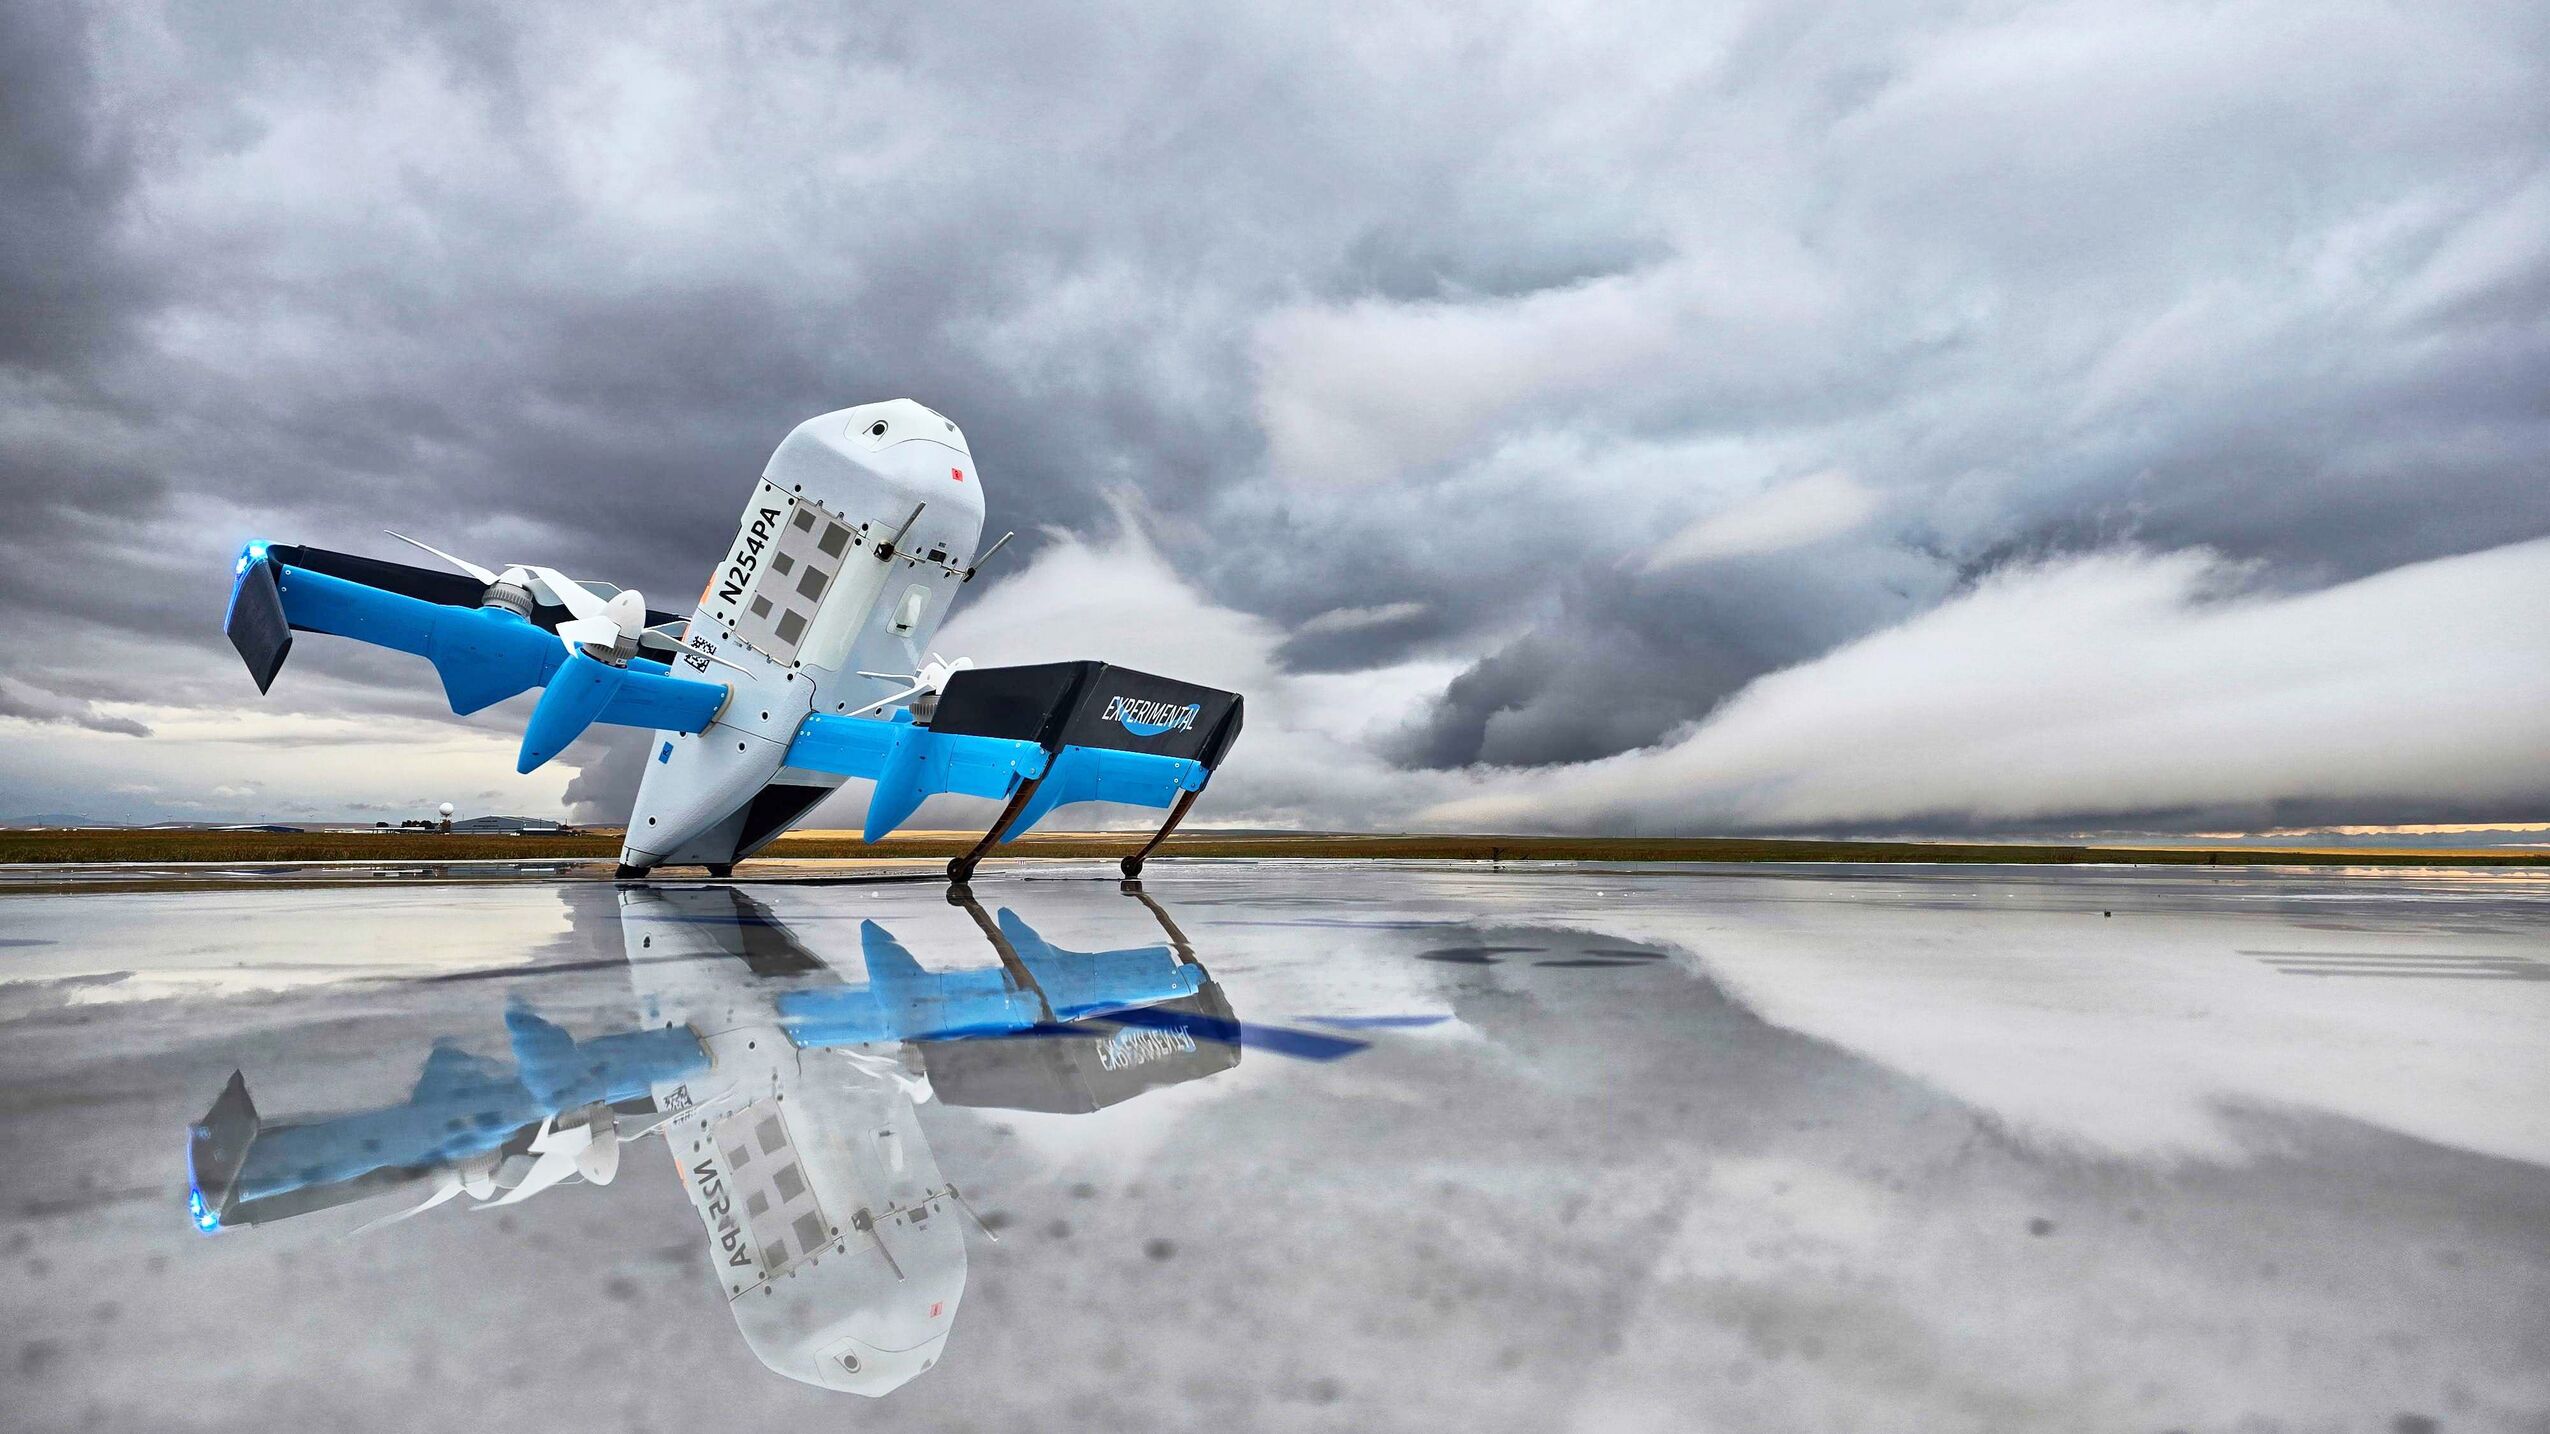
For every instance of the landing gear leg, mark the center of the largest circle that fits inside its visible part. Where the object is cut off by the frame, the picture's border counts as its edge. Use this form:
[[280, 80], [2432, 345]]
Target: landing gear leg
[[721, 869], [1133, 864], [626, 872], [961, 870]]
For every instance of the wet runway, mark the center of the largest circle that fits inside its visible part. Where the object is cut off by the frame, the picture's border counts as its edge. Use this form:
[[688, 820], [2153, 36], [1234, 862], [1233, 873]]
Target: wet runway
[[1283, 1146]]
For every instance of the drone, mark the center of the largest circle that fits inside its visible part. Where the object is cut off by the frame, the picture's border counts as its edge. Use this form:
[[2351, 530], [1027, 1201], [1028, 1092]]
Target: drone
[[782, 1061], [805, 663], [785, 1089]]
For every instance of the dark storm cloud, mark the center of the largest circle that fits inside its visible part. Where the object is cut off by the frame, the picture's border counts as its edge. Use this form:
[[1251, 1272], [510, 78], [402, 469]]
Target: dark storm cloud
[[32, 703], [65, 166], [2118, 686], [1627, 657], [1623, 357]]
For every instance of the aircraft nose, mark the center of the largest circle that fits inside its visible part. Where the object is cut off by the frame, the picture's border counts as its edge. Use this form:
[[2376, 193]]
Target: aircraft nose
[[891, 424], [855, 1367]]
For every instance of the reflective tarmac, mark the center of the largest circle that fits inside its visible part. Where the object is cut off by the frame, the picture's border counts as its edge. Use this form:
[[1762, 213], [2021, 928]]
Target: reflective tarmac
[[1293, 1145]]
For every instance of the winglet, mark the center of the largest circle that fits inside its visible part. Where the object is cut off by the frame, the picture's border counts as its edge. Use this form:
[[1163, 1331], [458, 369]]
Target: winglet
[[255, 621]]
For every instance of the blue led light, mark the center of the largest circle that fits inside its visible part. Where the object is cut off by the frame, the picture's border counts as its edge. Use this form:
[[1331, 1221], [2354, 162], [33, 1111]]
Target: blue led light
[[257, 550], [206, 1218]]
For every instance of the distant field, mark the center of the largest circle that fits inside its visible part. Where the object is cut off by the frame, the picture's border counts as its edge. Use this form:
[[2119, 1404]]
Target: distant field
[[179, 846]]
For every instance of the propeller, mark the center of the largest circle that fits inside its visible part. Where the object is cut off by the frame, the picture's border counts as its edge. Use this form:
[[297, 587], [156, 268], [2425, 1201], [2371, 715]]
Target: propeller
[[617, 622], [931, 679], [600, 634], [514, 574], [446, 1186], [613, 623], [475, 1177], [590, 1149], [599, 1161]]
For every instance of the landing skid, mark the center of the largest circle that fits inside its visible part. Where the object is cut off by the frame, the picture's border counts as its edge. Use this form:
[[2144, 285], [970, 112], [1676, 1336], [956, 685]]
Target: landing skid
[[961, 870], [1133, 864]]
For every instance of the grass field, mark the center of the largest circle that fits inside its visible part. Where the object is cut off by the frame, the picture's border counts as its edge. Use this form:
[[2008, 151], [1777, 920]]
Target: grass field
[[18, 847]]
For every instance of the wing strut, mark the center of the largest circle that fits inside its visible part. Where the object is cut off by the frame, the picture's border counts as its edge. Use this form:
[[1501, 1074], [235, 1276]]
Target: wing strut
[[1133, 864], [961, 870]]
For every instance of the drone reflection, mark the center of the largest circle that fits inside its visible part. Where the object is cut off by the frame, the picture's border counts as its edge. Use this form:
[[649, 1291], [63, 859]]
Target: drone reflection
[[787, 1090]]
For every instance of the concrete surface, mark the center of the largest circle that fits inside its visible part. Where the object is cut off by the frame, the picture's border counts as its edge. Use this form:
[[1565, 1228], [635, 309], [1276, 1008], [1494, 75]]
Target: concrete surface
[[1841, 1148]]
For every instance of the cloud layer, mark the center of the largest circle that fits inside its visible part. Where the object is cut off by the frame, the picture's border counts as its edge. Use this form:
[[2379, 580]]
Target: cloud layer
[[2118, 686], [1518, 389]]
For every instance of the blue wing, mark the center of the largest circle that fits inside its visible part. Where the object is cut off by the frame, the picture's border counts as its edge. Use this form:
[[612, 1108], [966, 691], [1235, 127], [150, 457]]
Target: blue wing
[[483, 655], [909, 762], [1101, 774]]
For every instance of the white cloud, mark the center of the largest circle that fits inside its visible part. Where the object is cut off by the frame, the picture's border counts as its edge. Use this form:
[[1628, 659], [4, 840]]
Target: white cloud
[[1374, 307], [2108, 684], [273, 761], [1302, 758], [1358, 392], [1789, 515], [2120, 682], [1355, 619]]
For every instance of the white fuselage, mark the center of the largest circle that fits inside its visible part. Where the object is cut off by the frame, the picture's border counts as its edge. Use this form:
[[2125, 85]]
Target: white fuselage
[[832, 1233], [802, 603]]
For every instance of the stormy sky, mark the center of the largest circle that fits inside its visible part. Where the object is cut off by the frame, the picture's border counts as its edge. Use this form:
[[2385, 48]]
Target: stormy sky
[[1791, 417]]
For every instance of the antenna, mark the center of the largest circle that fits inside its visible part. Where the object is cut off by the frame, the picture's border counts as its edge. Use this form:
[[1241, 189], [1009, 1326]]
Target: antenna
[[886, 549], [997, 544]]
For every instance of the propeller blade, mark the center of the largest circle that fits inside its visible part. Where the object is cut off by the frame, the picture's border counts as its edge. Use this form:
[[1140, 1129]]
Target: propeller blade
[[600, 631], [464, 564], [571, 594], [599, 1161], [913, 691], [576, 694], [556, 1155], [932, 677], [545, 1171], [892, 1068], [445, 1188], [605, 622]]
